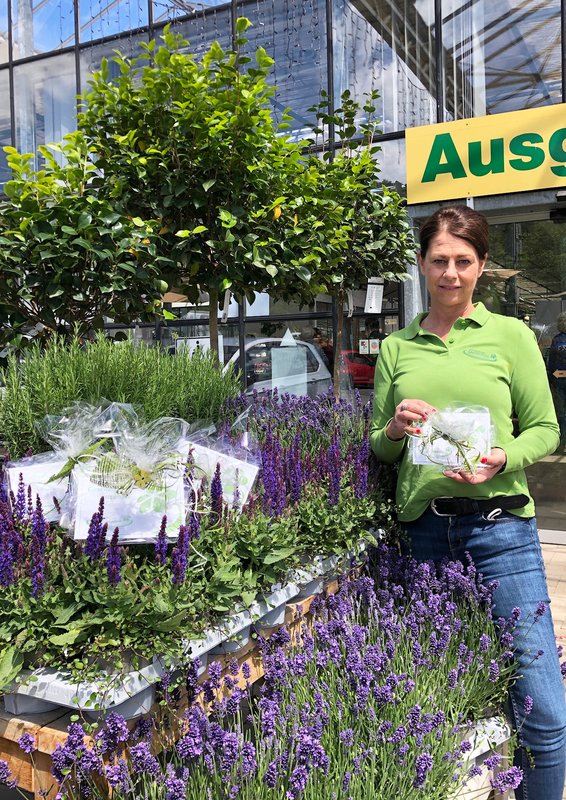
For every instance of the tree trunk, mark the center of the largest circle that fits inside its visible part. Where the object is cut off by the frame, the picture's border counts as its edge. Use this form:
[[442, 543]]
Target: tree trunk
[[213, 320], [338, 349]]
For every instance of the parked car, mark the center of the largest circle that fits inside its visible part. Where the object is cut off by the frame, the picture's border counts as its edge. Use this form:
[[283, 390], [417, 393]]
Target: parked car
[[359, 366], [259, 367]]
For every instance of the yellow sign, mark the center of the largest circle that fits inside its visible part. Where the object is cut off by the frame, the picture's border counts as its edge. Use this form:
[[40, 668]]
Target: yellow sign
[[513, 152]]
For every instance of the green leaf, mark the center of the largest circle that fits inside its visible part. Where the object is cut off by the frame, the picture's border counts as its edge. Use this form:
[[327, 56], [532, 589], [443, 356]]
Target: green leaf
[[10, 665], [66, 612], [278, 555], [171, 623], [208, 184], [65, 639], [242, 24]]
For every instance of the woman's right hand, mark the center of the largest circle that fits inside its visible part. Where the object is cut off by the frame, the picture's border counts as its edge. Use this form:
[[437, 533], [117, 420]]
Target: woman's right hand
[[406, 413]]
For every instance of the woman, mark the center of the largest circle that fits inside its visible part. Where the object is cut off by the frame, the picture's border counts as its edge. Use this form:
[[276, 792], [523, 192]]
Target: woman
[[459, 352]]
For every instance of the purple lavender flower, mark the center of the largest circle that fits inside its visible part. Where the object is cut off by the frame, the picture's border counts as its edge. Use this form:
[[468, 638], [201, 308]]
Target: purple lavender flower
[[528, 705], [6, 775], [346, 781], [541, 608], [114, 561], [248, 766], [271, 775], [143, 761], [143, 729], [507, 779], [492, 762], [347, 737], [27, 743], [161, 542], [118, 776], [423, 765], [114, 732], [493, 671]]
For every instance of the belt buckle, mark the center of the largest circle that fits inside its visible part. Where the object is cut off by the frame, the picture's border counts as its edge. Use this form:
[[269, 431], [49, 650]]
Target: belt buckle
[[433, 506]]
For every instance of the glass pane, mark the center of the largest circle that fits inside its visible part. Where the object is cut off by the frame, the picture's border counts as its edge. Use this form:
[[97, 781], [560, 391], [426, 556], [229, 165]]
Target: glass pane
[[200, 30], [500, 56], [41, 27], [387, 45], [4, 55], [45, 101], [101, 18], [92, 56], [526, 278], [5, 132], [393, 165], [166, 10], [294, 36]]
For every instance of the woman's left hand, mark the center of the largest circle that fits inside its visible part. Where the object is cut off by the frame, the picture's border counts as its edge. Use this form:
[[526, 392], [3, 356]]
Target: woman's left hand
[[491, 465]]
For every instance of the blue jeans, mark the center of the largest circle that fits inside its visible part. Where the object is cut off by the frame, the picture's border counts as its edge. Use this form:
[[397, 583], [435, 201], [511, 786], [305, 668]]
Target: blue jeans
[[507, 549]]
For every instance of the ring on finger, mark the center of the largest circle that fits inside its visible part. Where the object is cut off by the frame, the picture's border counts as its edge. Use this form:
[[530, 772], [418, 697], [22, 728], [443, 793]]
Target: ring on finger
[[403, 406]]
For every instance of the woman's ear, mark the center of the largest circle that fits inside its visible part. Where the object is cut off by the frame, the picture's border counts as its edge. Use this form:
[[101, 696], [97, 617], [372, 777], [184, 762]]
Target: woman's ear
[[420, 262], [482, 265]]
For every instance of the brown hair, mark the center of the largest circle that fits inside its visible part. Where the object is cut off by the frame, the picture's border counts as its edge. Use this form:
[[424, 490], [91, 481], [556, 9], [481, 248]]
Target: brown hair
[[461, 221]]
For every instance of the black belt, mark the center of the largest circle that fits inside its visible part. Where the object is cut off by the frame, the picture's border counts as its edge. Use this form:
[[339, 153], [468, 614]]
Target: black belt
[[460, 506]]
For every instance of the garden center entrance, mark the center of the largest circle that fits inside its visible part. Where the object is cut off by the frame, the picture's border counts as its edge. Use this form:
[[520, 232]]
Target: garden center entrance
[[525, 277]]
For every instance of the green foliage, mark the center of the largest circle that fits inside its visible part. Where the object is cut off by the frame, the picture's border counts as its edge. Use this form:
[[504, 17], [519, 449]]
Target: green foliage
[[194, 145], [47, 380], [67, 257]]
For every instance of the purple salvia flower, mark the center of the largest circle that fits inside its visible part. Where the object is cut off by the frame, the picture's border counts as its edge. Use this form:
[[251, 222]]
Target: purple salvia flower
[[37, 567], [20, 500], [180, 555], [216, 497], [114, 561], [334, 470], [95, 539], [6, 559], [237, 497], [161, 542]]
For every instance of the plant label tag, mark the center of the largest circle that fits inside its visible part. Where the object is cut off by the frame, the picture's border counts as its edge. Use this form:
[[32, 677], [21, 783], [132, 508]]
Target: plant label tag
[[463, 439], [137, 514], [36, 475], [205, 461]]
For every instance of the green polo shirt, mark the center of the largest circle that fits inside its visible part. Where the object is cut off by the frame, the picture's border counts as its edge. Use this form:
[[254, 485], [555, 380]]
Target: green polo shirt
[[488, 360]]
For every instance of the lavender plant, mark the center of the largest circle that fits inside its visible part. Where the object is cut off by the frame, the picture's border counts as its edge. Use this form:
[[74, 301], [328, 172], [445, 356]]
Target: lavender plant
[[381, 697]]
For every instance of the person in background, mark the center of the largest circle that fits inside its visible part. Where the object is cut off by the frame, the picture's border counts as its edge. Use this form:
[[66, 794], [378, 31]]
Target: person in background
[[458, 352], [557, 363]]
